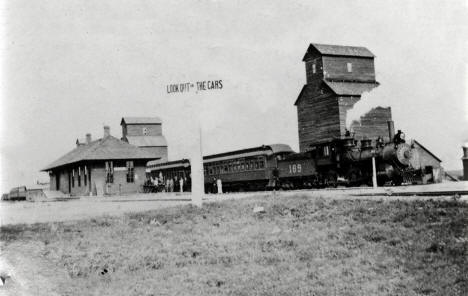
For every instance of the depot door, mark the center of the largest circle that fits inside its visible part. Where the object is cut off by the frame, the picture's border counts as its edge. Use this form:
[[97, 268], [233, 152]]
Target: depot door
[[69, 181]]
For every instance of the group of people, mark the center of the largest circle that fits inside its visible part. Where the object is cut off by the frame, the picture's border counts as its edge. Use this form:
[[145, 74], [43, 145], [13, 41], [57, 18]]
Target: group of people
[[175, 184], [216, 186]]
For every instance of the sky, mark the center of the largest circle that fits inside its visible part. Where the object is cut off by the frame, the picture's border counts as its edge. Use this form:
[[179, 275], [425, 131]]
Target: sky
[[70, 67]]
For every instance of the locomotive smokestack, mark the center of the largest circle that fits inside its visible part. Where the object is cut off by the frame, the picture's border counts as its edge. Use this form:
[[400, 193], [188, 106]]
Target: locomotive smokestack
[[391, 130]]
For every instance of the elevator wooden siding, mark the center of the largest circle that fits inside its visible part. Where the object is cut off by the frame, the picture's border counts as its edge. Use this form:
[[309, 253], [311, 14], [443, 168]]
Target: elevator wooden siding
[[335, 68], [317, 118]]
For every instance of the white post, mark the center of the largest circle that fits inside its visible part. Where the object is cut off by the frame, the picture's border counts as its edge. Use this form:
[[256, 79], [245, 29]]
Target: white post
[[197, 178], [374, 173]]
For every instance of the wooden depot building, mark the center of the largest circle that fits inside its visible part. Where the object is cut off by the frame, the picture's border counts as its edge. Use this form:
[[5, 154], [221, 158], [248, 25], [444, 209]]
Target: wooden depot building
[[110, 165]]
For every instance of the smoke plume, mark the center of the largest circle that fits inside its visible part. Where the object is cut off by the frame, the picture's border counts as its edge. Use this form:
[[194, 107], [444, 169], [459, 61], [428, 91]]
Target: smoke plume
[[378, 97]]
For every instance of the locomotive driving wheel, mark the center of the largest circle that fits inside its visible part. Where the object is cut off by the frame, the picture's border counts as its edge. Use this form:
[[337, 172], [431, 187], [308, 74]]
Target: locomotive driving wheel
[[354, 177], [331, 179]]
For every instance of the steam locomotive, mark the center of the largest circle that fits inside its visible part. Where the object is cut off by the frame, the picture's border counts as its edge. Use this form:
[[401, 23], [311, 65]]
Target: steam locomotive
[[345, 161], [349, 162]]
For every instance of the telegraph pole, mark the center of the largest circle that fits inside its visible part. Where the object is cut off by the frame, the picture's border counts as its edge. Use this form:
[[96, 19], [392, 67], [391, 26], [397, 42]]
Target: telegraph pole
[[196, 165]]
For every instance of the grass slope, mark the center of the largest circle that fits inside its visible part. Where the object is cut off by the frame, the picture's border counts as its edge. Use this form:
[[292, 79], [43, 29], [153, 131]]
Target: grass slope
[[300, 246]]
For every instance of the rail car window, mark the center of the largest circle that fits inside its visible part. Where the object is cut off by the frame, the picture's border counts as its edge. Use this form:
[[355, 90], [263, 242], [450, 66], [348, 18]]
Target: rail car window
[[349, 66], [262, 164]]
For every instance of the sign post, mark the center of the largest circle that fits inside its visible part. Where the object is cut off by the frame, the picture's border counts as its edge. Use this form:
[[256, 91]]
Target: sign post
[[193, 108]]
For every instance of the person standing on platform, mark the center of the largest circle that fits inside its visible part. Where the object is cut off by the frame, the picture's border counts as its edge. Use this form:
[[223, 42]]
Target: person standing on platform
[[214, 187], [172, 185], [219, 185]]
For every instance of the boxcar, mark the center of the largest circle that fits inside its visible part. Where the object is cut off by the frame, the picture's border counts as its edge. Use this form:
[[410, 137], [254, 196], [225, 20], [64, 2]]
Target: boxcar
[[18, 193]]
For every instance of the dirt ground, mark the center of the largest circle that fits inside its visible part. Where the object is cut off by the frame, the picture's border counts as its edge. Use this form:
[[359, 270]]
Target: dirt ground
[[88, 207], [304, 244]]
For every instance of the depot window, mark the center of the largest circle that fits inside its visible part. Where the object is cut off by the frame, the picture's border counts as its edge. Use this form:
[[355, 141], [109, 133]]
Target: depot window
[[85, 177], [73, 178], [109, 172], [79, 176], [130, 172], [326, 150], [349, 66]]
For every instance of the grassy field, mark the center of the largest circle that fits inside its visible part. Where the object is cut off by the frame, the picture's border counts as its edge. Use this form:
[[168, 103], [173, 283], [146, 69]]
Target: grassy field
[[300, 246]]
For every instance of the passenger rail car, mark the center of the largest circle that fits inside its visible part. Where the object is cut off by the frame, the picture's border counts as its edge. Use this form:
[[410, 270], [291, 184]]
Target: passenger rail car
[[171, 169], [164, 171], [244, 170], [240, 170]]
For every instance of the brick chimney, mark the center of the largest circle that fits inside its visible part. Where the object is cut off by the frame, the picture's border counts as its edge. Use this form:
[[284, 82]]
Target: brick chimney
[[106, 131], [88, 138]]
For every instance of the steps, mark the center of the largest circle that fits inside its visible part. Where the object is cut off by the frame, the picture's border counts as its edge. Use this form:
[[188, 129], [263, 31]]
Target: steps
[[55, 194]]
